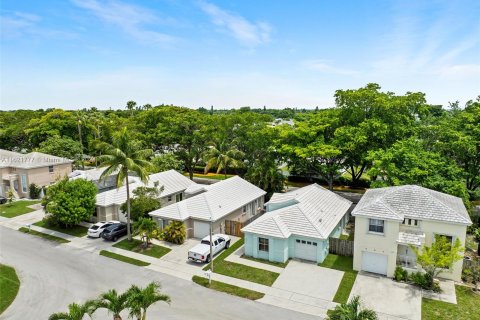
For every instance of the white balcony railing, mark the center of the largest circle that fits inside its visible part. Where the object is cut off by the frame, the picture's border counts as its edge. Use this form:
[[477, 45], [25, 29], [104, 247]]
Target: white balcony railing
[[407, 261]]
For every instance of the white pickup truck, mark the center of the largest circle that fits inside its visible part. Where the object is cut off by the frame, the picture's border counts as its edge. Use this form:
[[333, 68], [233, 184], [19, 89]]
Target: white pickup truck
[[201, 252]]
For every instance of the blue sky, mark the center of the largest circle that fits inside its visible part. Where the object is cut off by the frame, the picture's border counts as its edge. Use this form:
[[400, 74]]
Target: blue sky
[[102, 53]]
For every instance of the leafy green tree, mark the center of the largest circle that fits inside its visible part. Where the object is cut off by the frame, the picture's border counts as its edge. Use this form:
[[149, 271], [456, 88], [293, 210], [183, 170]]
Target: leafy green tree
[[145, 228], [112, 301], [474, 276], [167, 161], [124, 155], [70, 202], [34, 191], [408, 162], [140, 299], [144, 201], [222, 156], [131, 106], [10, 196], [61, 147], [437, 257], [175, 232], [75, 311], [352, 311], [266, 175]]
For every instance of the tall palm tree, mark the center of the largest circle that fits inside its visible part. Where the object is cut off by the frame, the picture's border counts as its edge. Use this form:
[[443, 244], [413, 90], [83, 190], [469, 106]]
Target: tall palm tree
[[222, 155], [139, 300], [75, 311], [352, 311], [113, 302], [124, 155]]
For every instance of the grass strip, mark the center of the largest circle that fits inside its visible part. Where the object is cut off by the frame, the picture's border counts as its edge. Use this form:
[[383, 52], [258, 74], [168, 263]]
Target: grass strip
[[228, 288], [467, 307], [9, 286], [241, 271], [17, 208], [272, 263], [123, 258], [43, 235], [76, 231], [136, 246], [344, 264]]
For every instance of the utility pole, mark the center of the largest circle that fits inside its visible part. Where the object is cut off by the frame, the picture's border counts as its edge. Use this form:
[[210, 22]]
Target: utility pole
[[211, 244]]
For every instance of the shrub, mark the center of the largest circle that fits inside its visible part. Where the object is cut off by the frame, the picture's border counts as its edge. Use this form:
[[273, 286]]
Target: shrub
[[175, 232], [425, 281], [50, 220], [34, 191], [400, 274]]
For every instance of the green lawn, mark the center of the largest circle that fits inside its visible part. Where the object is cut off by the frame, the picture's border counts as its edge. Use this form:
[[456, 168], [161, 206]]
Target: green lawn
[[467, 307], [276, 264], [76, 231], [17, 208], [241, 271], [228, 288], [123, 258], [9, 285], [344, 264], [43, 235], [136, 246]]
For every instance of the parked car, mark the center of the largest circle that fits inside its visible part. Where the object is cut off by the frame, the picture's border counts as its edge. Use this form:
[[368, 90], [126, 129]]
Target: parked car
[[201, 252], [114, 231], [3, 200], [95, 231]]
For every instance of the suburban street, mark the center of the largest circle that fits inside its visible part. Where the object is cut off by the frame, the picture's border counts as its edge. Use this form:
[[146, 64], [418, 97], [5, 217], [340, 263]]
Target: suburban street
[[52, 276]]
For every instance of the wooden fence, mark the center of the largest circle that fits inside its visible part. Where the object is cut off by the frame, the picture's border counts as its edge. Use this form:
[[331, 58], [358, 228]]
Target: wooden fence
[[340, 247], [233, 227]]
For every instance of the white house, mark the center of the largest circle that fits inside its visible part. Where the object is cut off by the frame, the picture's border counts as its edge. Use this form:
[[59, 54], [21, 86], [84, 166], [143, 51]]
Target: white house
[[174, 184], [390, 220], [94, 175], [232, 199], [297, 224]]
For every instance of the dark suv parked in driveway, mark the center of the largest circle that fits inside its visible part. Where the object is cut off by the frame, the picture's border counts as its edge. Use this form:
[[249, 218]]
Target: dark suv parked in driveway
[[3, 200], [114, 231]]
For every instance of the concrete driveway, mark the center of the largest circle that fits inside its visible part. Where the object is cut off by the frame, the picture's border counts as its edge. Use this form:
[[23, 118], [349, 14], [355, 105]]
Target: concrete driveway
[[390, 299], [310, 280]]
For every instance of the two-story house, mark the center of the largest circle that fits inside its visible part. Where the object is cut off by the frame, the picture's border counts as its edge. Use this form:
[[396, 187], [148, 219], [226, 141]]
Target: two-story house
[[388, 221]]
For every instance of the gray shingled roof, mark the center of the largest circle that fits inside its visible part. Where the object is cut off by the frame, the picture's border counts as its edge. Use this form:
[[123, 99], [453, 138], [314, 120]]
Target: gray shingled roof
[[315, 214], [411, 201], [29, 160]]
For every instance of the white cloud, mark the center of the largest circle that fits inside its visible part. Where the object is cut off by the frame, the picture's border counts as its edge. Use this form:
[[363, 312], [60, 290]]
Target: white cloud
[[247, 32], [21, 24], [460, 71], [130, 18], [326, 67]]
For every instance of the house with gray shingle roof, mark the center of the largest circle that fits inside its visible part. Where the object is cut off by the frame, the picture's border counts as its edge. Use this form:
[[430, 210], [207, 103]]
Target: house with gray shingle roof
[[388, 221], [297, 224]]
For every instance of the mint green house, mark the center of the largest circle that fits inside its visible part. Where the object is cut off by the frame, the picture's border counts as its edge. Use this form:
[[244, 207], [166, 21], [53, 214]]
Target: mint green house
[[297, 224]]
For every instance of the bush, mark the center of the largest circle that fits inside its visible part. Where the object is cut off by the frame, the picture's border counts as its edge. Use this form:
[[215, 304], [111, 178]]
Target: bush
[[175, 232], [400, 274], [50, 220], [424, 281], [34, 191]]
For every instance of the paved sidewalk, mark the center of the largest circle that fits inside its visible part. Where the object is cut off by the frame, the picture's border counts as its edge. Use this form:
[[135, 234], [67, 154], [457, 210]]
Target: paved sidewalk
[[236, 257], [448, 293]]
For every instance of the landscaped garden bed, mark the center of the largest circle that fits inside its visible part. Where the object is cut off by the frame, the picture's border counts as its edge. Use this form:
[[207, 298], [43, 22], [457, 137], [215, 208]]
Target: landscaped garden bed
[[138, 246]]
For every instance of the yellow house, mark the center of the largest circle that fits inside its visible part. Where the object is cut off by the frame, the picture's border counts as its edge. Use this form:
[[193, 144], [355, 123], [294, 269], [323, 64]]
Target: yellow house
[[18, 171], [388, 221]]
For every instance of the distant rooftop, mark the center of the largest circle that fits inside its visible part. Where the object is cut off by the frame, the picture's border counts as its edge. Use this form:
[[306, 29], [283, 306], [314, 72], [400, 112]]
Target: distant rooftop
[[29, 160]]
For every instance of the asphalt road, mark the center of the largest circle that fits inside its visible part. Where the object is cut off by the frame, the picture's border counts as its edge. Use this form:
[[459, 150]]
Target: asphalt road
[[53, 275]]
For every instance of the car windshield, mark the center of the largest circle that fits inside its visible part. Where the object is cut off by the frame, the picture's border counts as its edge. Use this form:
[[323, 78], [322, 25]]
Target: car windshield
[[93, 227], [206, 242]]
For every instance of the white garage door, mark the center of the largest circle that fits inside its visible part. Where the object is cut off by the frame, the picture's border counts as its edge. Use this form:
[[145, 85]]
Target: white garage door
[[201, 229], [374, 262], [306, 250]]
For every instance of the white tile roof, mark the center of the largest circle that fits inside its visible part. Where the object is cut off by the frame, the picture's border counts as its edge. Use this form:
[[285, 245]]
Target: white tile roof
[[29, 160], [315, 214], [219, 200], [90, 175], [411, 201], [172, 182]]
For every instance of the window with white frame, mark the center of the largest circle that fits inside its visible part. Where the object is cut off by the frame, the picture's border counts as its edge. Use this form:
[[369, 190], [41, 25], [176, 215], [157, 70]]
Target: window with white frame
[[410, 222], [244, 209], [376, 225], [169, 198], [263, 244], [178, 197], [50, 169], [24, 183]]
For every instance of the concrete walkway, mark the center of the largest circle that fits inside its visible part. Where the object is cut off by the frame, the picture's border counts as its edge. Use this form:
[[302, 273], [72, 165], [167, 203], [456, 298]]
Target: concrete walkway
[[448, 293], [175, 264]]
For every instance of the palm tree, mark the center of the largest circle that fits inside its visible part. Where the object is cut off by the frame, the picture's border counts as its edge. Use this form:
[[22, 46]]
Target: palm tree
[[124, 155], [139, 300], [75, 311], [223, 156], [145, 227], [352, 311], [113, 302]]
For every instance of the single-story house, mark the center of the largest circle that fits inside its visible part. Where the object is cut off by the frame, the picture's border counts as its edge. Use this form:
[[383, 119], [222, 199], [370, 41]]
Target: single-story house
[[297, 224], [232, 199], [174, 184], [94, 175], [18, 171], [388, 221]]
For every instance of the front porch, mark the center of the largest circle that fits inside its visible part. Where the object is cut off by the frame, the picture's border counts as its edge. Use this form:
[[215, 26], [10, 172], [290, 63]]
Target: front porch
[[406, 257]]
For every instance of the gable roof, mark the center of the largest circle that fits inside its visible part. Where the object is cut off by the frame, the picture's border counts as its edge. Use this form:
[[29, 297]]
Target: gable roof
[[171, 180], [315, 213], [396, 203], [29, 160], [219, 200]]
